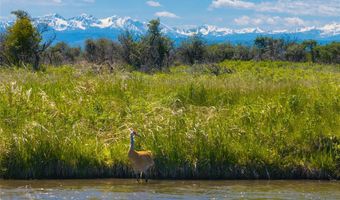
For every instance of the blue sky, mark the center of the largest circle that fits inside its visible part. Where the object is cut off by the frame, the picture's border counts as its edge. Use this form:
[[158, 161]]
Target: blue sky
[[267, 14]]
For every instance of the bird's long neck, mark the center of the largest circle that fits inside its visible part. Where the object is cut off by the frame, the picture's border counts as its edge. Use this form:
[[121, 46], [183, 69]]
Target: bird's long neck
[[132, 143]]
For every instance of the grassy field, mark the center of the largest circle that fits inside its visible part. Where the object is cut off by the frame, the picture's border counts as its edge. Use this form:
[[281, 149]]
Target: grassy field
[[238, 120]]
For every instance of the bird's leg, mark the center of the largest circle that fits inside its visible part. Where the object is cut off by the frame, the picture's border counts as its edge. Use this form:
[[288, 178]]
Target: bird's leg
[[141, 175], [137, 175], [146, 177]]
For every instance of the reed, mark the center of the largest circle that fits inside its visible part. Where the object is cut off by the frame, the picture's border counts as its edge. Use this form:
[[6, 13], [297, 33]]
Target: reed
[[252, 120]]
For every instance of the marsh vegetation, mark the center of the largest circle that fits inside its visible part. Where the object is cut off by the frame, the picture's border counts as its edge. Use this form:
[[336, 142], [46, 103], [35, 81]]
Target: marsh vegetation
[[249, 120]]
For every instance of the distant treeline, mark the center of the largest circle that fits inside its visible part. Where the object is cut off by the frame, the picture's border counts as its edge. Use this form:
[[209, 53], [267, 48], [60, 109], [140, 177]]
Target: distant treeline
[[155, 51], [22, 44]]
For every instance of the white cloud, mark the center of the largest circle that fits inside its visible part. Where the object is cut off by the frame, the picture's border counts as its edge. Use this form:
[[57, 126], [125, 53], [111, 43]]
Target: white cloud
[[153, 3], [271, 21], [33, 2], [231, 3], [257, 21], [296, 7], [48, 2], [242, 21], [45, 2], [166, 14], [294, 21]]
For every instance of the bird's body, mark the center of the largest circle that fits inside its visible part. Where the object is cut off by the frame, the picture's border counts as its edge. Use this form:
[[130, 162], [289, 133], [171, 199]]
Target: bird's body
[[141, 160]]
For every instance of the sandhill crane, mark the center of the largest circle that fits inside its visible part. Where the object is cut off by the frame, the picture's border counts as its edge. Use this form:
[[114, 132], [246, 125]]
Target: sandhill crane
[[141, 160]]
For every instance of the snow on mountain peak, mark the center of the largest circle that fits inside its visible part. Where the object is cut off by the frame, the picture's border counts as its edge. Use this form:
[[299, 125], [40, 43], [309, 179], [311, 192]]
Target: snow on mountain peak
[[82, 21], [249, 30], [56, 21], [105, 22], [85, 21], [209, 29], [52, 15], [85, 15], [331, 29], [305, 29], [102, 26], [85, 18]]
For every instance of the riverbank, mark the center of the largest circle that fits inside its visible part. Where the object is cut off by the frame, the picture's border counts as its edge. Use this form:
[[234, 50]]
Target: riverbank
[[241, 120]]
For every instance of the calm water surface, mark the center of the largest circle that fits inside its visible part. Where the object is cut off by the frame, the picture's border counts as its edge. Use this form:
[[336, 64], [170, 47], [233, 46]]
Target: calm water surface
[[130, 189]]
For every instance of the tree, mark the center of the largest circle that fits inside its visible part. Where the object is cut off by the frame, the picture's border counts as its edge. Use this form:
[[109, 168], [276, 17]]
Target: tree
[[329, 53], [130, 49], [20, 40], [20, 14], [90, 50], [101, 51], [267, 48], [310, 48], [192, 50], [295, 52], [2, 48], [61, 53], [277, 49], [23, 42], [219, 52], [41, 47], [156, 48], [260, 46], [242, 53]]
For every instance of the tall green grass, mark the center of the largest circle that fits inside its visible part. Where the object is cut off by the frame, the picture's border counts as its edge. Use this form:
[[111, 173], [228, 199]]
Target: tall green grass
[[256, 120]]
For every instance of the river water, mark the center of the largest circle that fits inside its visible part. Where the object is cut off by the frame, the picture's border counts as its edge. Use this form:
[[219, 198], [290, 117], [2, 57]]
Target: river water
[[156, 189]]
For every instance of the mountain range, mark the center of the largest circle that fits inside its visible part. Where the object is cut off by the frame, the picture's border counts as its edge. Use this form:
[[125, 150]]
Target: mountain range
[[77, 29]]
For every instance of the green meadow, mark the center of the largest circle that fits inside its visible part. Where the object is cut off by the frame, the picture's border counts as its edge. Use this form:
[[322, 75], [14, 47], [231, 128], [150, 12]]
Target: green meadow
[[238, 119]]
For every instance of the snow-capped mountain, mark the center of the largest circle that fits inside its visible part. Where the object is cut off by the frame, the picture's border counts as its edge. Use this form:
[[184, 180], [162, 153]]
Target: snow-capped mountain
[[55, 21], [77, 29], [209, 30], [4, 25], [85, 22], [330, 29]]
